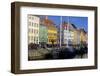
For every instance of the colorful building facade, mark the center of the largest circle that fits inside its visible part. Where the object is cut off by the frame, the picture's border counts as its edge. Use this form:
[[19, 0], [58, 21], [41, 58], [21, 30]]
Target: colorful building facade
[[44, 31], [83, 36], [67, 34], [76, 40], [33, 29], [43, 34], [51, 31]]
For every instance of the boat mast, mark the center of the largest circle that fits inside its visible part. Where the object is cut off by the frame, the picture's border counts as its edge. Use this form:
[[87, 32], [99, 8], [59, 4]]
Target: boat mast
[[60, 30], [68, 32]]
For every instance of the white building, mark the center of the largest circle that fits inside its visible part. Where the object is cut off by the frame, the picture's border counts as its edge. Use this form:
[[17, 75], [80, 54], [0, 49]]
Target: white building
[[65, 36], [68, 34], [33, 29]]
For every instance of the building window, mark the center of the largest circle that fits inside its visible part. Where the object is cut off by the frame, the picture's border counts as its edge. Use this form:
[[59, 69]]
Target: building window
[[32, 30], [32, 24], [29, 23], [37, 25], [35, 39], [32, 38], [49, 40], [32, 18], [37, 31]]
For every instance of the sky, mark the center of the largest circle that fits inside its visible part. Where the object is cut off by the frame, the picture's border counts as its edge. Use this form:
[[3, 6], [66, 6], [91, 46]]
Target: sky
[[79, 22]]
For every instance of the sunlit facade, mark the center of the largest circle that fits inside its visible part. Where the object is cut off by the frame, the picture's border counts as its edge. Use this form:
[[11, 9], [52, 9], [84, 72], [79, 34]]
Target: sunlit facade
[[67, 34], [83, 36], [52, 35], [43, 34], [33, 29], [52, 31], [76, 40]]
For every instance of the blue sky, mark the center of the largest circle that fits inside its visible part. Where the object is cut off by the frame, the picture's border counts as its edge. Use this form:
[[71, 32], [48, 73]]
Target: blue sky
[[79, 22]]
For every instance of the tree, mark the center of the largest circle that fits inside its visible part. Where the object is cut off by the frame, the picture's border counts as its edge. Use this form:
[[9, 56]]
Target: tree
[[52, 42]]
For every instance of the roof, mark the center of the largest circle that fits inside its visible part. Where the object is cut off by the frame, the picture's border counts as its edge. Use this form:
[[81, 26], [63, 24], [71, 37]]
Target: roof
[[82, 29], [48, 23], [65, 25], [74, 26]]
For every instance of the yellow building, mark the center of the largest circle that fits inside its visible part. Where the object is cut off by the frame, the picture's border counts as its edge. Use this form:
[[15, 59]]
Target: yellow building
[[83, 36], [80, 37], [76, 39], [52, 35], [52, 31]]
